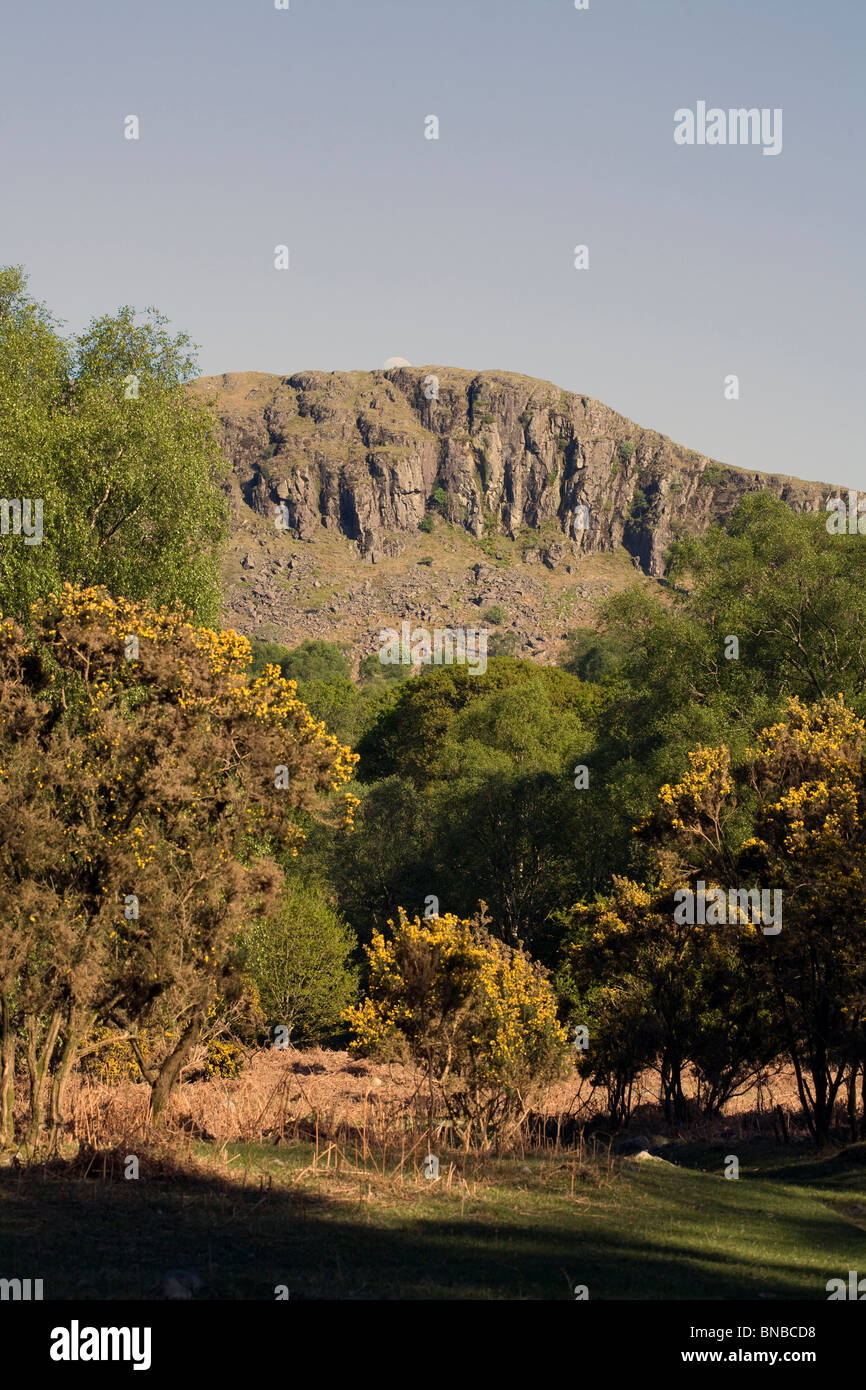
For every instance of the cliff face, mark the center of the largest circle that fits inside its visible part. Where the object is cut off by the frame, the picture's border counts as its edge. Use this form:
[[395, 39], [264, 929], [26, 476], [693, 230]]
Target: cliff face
[[361, 455]]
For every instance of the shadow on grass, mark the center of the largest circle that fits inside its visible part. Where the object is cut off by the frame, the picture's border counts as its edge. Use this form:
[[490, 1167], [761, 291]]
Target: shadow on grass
[[95, 1238]]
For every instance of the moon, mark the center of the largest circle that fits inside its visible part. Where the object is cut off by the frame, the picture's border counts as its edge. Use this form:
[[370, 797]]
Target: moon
[[396, 362]]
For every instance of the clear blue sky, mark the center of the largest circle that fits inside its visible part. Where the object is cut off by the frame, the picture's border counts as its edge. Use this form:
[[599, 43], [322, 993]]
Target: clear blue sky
[[306, 127]]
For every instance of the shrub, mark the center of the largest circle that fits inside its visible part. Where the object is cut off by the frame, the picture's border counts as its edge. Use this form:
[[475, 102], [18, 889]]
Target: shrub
[[427, 524], [266, 654], [315, 660], [594, 655], [224, 1058], [504, 643], [372, 669], [476, 1015], [148, 773], [639, 506], [231, 1025], [495, 614], [714, 475], [297, 959], [626, 450]]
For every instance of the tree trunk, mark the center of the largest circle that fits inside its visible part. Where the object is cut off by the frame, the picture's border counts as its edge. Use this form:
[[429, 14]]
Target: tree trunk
[[171, 1068], [37, 1067], [79, 1027], [852, 1102], [7, 1077]]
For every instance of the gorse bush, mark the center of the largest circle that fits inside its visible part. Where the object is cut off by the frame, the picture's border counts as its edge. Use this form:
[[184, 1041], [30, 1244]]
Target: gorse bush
[[230, 1028], [137, 775], [476, 1015], [322, 673]]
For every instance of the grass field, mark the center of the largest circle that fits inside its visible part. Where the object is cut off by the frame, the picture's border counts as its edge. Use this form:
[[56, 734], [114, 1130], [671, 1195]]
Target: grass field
[[246, 1218]]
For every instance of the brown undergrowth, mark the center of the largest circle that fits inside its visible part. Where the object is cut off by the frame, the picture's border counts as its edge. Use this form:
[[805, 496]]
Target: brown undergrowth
[[329, 1096]]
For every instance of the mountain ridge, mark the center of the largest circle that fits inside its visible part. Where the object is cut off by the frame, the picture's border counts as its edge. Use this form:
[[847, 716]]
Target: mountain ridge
[[359, 468]]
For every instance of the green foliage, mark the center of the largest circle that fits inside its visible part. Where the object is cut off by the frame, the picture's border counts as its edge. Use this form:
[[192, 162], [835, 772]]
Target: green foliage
[[494, 614], [503, 644], [794, 596], [478, 770], [714, 475], [128, 486], [298, 960], [445, 504], [371, 669], [626, 450], [427, 524], [339, 703], [477, 773], [639, 506], [407, 737], [593, 655], [373, 869], [322, 672], [266, 654], [315, 660]]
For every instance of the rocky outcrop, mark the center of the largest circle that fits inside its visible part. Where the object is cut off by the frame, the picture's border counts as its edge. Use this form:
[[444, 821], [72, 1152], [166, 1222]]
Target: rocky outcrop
[[368, 454]]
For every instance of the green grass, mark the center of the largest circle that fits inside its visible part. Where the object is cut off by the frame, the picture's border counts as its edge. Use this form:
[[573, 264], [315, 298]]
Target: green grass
[[529, 1228]]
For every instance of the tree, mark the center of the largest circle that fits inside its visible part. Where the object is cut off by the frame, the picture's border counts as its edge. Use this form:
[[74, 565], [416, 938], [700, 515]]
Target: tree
[[297, 958], [484, 794], [793, 593], [793, 596], [100, 432], [373, 869], [144, 783], [406, 737], [322, 673], [315, 660], [505, 804], [593, 655], [653, 991], [791, 818], [266, 654]]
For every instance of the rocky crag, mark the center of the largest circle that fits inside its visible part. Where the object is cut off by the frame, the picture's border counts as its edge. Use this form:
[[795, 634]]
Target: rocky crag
[[449, 483]]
